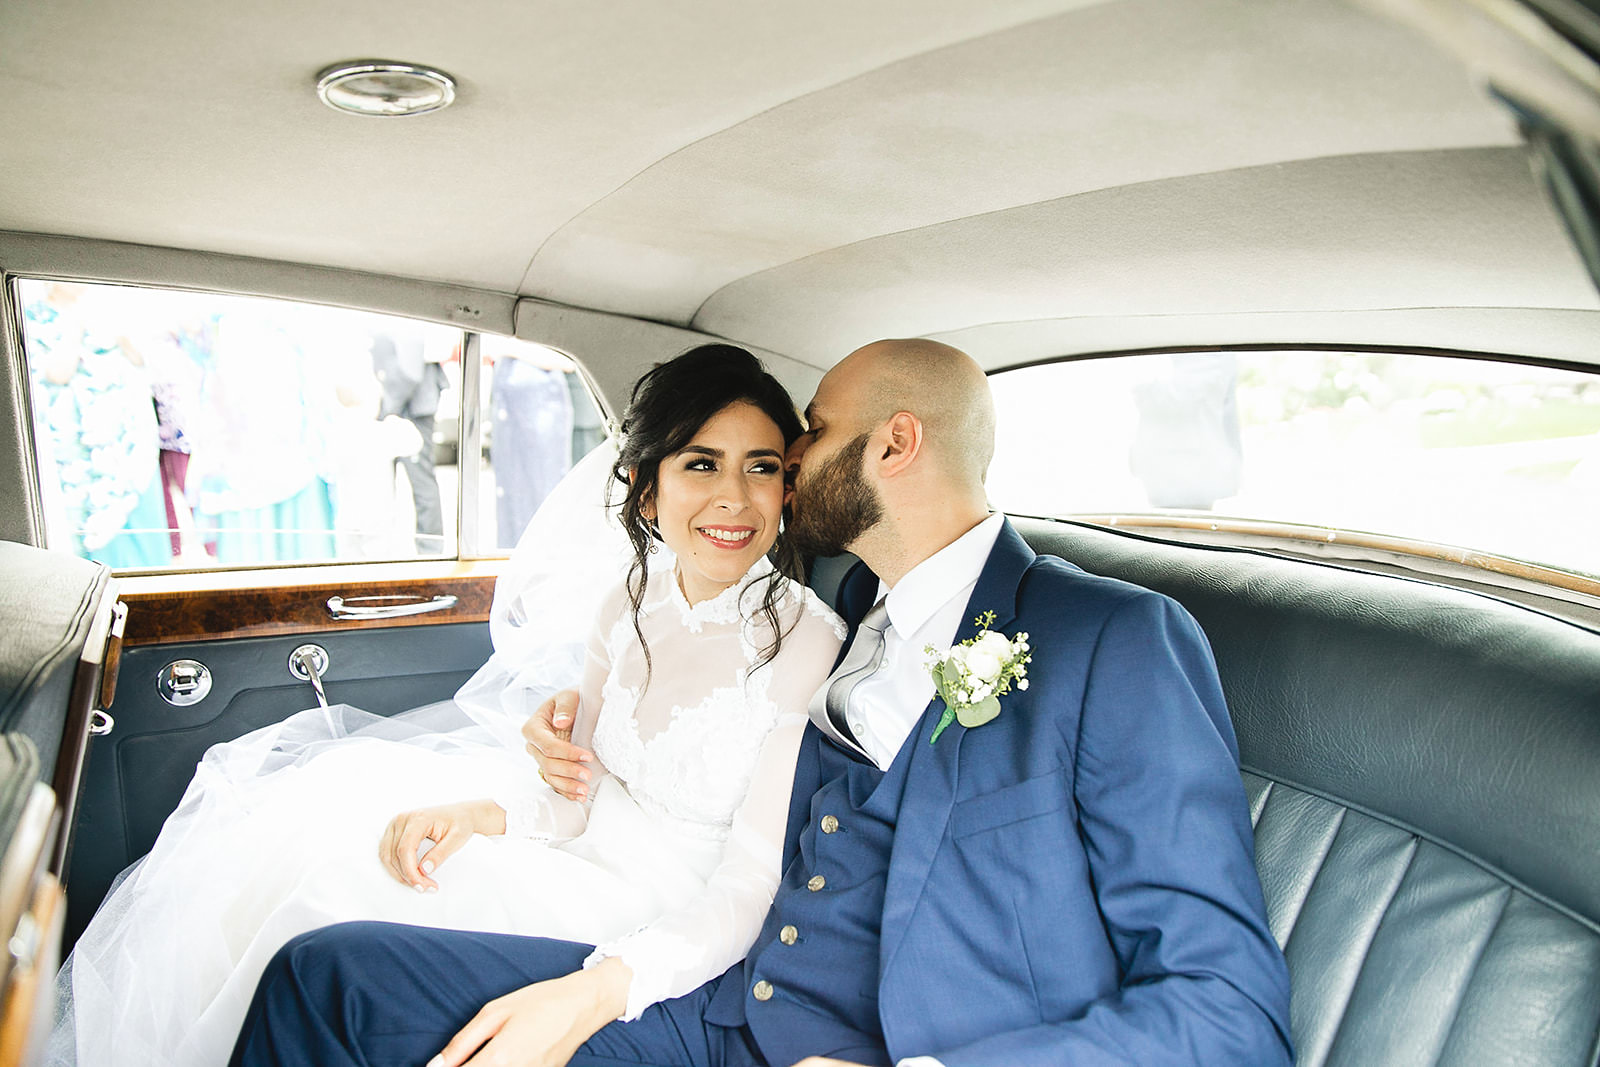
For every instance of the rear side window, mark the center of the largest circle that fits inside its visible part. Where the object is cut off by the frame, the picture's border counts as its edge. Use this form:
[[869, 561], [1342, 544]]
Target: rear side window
[[1490, 457], [193, 430], [539, 419]]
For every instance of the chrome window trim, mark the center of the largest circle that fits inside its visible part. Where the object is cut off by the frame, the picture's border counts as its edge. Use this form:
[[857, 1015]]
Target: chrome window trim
[[25, 521], [469, 451], [1353, 348]]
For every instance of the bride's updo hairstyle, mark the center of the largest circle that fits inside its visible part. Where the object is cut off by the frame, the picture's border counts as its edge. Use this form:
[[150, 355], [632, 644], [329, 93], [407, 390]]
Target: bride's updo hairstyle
[[668, 406]]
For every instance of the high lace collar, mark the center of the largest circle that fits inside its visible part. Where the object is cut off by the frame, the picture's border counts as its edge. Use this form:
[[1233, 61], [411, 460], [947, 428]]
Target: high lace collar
[[721, 609]]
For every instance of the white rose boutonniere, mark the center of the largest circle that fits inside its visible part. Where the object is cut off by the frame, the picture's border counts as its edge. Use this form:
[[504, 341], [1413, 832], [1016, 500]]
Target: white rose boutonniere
[[973, 676]]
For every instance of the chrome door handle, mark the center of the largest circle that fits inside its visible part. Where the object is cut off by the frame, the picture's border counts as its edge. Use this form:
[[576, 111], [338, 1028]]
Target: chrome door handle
[[393, 606]]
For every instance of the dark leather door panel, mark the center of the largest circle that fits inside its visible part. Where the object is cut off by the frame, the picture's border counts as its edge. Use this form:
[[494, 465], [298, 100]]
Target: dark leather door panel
[[136, 775]]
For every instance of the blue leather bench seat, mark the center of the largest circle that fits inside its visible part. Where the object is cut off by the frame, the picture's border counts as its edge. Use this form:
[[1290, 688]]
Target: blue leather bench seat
[[1423, 770]]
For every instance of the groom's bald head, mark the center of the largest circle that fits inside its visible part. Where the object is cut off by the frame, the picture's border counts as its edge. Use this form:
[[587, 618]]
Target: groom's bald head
[[941, 385]]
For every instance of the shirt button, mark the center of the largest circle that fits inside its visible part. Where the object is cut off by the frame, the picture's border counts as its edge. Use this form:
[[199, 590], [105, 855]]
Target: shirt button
[[763, 990], [816, 883], [788, 935], [830, 823]]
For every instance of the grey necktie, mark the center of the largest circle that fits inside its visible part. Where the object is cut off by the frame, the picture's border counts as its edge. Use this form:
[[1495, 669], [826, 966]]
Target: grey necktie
[[863, 659]]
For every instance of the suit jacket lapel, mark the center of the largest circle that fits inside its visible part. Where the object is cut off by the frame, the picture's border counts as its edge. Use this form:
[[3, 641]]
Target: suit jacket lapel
[[931, 778]]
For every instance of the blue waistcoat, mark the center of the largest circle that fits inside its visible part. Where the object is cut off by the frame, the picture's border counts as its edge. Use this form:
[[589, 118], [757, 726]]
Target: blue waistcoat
[[810, 983]]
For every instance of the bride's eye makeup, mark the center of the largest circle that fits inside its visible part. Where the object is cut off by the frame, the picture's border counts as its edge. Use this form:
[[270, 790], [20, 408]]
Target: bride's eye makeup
[[694, 459]]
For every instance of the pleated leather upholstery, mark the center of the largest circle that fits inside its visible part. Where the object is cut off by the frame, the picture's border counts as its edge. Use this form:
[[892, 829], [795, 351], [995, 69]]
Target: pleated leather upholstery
[[1423, 771]]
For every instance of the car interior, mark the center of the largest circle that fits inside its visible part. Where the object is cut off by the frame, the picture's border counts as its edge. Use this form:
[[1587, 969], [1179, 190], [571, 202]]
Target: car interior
[[1048, 185]]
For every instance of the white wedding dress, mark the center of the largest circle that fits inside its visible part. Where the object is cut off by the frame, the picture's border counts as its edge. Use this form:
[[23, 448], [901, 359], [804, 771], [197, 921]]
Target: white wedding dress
[[672, 865]]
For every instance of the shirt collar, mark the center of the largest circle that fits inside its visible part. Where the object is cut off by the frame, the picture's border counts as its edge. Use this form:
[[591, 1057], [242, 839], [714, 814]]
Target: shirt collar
[[929, 585]]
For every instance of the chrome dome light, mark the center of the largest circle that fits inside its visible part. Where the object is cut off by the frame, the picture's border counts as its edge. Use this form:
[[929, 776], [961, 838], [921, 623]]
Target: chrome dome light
[[378, 87]]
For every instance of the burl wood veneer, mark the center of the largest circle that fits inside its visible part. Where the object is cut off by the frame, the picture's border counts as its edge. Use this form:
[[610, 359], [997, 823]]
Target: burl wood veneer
[[172, 608]]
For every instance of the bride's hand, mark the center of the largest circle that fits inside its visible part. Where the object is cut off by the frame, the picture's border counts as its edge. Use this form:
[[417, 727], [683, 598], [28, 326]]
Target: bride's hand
[[448, 826], [548, 732], [543, 1024]]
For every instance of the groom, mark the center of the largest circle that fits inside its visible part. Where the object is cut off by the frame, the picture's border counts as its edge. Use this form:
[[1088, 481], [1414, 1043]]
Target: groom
[[1070, 882]]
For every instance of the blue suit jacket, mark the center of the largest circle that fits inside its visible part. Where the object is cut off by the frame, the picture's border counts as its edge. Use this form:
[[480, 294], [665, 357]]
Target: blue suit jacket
[[1074, 881]]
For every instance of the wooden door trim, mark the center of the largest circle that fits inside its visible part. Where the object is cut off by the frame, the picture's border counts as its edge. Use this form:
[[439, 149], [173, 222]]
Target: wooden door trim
[[173, 608]]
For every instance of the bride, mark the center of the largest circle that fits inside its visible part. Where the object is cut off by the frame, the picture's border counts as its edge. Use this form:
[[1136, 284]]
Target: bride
[[694, 681]]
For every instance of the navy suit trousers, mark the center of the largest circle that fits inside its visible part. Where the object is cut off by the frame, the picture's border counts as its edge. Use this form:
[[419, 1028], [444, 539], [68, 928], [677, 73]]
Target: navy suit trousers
[[385, 995]]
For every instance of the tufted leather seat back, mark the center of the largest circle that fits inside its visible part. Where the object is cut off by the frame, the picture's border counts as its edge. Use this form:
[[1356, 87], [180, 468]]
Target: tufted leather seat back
[[1423, 771]]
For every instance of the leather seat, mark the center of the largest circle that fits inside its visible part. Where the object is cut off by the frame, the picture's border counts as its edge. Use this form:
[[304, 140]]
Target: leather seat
[[49, 604], [1423, 770]]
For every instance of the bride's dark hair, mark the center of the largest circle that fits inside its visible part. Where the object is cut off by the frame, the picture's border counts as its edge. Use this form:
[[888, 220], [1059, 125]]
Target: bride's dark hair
[[668, 406]]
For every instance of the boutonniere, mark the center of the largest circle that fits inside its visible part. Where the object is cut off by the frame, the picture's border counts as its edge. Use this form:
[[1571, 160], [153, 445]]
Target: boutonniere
[[973, 676]]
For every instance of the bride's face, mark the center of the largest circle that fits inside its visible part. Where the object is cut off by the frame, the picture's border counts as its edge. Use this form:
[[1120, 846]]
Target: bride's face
[[719, 500]]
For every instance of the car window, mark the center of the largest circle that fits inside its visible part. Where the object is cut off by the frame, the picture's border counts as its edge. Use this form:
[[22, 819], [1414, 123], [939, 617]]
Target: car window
[[539, 420], [192, 430], [1496, 457]]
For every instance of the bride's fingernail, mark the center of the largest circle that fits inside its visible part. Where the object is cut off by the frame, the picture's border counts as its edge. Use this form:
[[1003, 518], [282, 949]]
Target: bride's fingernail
[[427, 866], [419, 887], [433, 889], [437, 1061]]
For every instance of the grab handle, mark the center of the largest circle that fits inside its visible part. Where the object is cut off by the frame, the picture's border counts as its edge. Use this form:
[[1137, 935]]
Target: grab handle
[[392, 606]]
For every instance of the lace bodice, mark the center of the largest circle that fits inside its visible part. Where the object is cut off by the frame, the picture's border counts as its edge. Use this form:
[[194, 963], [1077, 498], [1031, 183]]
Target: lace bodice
[[704, 740], [687, 743]]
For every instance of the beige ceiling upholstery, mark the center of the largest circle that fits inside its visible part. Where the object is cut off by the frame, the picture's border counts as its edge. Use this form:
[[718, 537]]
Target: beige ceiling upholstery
[[803, 178]]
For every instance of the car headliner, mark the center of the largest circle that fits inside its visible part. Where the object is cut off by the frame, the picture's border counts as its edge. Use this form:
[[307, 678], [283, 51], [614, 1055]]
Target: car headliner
[[1026, 178]]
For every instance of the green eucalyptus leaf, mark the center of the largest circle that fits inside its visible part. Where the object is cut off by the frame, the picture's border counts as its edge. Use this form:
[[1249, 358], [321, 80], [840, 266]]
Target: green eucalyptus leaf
[[979, 713]]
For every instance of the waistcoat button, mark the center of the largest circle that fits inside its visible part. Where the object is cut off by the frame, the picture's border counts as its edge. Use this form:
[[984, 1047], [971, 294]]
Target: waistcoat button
[[788, 935], [830, 823], [763, 990], [816, 883]]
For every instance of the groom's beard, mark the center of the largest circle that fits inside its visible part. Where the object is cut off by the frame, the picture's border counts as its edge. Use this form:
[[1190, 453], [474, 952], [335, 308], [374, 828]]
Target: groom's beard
[[835, 505]]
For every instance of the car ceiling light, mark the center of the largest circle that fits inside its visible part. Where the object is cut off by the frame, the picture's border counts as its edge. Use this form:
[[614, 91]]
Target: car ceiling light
[[378, 87]]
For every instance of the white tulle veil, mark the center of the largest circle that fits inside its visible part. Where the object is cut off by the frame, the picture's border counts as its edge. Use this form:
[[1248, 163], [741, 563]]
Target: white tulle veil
[[572, 553]]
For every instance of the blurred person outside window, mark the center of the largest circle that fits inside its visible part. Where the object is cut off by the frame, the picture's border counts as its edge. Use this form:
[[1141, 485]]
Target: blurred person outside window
[[407, 368], [267, 408], [95, 428], [531, 442]]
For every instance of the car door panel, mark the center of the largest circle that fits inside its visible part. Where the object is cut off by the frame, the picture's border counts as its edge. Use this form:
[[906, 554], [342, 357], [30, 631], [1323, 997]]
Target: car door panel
[[135, 776]]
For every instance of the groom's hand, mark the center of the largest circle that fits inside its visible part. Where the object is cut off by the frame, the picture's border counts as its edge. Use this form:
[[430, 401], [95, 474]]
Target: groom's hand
[[548, 732], [543, 1024]]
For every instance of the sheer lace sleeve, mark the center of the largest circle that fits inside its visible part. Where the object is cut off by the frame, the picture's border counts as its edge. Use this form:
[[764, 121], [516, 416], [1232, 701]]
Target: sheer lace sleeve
[[686, 948], [533, 809]]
